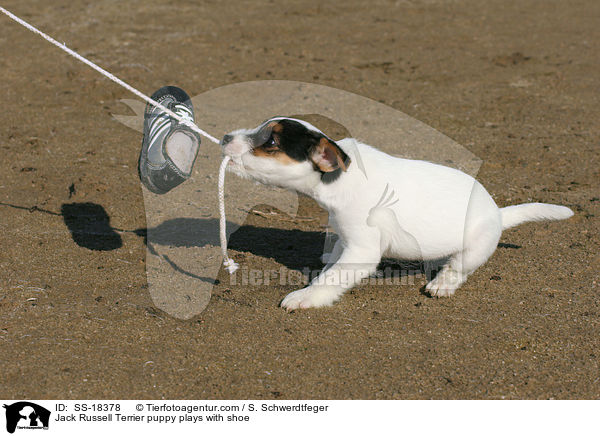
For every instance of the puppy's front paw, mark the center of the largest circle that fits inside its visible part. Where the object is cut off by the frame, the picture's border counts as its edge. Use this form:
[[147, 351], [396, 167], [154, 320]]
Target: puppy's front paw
[[309, 297]]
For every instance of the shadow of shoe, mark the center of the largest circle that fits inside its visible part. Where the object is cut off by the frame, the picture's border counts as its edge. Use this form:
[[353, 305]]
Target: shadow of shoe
[[90, 227]]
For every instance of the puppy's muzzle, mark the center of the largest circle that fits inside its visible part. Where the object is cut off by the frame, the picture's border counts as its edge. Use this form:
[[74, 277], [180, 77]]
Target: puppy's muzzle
[[235, 145]]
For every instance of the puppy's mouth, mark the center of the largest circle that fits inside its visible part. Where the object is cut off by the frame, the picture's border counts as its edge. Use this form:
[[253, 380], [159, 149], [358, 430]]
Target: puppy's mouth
[[235, 164], [235, 158]]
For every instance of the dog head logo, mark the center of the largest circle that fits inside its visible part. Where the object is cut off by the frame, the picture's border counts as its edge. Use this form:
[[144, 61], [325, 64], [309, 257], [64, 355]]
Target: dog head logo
[[26, 415]]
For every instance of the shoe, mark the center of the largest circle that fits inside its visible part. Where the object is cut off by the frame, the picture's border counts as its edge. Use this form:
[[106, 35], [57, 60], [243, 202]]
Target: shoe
[[169, 148]]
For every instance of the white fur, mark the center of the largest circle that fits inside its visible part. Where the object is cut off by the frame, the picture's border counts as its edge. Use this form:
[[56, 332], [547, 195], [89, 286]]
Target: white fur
[[520, 213], [392, 207]]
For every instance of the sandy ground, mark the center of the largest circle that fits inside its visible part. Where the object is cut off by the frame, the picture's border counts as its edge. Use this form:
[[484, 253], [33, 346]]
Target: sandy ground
[[515, 82]]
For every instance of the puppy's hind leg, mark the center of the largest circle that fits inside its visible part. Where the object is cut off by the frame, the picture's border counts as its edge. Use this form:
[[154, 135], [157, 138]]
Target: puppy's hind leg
[[447, 280], [479, 245]]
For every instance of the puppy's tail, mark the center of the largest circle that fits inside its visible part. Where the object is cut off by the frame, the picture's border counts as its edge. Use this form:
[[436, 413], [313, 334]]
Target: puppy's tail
[[522, 213]]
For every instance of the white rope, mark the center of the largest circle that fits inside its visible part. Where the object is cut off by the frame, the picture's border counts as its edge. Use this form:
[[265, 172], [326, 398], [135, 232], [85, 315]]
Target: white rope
[[227, 262]]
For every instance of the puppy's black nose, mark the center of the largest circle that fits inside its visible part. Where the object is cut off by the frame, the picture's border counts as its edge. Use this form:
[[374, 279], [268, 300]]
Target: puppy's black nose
[[226, 139]]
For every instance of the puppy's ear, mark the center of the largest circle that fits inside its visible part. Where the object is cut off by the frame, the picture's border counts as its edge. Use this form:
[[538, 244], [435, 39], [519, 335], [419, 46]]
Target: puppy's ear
[[328, 156]]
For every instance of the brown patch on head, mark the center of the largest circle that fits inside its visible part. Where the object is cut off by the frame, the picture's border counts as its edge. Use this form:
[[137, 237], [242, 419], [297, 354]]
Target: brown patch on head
[[275, 154], [274, 126], [328, 156]]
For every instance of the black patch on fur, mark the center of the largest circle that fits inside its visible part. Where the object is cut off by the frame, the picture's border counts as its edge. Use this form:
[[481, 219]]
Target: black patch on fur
[[331, 176], [297, 141]]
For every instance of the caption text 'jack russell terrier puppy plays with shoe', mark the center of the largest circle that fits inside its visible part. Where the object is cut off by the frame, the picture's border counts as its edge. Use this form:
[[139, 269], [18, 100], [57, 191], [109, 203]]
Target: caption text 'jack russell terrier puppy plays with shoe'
[[443, 212]]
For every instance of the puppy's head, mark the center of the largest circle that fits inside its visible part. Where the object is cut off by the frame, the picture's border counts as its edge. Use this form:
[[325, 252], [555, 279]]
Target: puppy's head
[[284, 152]]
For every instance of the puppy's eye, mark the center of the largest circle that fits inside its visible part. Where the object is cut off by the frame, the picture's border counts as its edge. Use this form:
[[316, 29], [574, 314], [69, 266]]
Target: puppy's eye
[[271, 145]]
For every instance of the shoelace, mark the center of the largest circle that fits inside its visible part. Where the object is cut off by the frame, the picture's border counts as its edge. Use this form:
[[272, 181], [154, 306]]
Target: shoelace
[[183, 111]]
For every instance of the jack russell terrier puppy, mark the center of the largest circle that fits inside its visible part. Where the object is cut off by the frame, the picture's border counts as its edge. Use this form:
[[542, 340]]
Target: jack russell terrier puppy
[[444, 213]]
